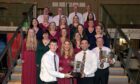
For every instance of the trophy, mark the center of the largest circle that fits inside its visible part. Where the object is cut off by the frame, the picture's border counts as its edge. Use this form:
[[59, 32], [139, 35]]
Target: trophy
[[105, 57], [109, 56], [77, 66]]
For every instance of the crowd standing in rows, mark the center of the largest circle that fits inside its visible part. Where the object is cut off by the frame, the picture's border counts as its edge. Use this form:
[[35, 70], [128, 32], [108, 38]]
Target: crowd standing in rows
[[53, 42]]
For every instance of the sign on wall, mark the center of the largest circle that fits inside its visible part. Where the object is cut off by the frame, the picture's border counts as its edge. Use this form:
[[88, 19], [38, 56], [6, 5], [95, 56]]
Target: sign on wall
[[71, 4]]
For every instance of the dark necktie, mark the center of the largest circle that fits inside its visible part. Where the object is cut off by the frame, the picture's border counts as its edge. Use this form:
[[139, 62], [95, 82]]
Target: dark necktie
[[55, 62], [75, 13], [101, 57], [83, 60]]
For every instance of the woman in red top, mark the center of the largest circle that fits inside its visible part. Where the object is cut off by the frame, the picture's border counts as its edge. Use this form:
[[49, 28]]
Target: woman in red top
[[28, 58], [76, 43], [66, 57], [63, 36], [54, 34], [90, 17]]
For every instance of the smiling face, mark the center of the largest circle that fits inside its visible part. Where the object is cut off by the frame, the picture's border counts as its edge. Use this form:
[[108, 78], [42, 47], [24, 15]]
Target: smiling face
[[53, 46], [77, 36], [64, 32], [46, 11], [34, 22], [98, 30], [91, 23], [67, 45], [63, 20], [59, 11], [75, 8], [31, 33], [52, 26], [84, 45], [88, 8], [99, 42], [75, 19], [45, 35], [80, 29]]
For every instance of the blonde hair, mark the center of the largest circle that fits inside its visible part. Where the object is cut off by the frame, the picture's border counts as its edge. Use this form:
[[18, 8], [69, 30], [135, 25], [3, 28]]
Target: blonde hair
[[70, 52], [31, 41]]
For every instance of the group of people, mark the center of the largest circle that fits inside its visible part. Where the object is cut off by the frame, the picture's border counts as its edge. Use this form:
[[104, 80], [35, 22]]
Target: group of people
[[53, 43]]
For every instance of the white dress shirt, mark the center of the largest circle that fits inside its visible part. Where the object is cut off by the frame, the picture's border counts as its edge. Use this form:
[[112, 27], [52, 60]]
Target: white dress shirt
[[90, 66], [85, 16], [57, 18], [48, 72], [71, 15], [40, 18], [96, 50]]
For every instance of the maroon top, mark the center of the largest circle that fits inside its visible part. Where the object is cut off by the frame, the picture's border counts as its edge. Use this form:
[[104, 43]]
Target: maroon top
[[86, 24], [55, 36], [28, 65], [76, 50], [43, 27]]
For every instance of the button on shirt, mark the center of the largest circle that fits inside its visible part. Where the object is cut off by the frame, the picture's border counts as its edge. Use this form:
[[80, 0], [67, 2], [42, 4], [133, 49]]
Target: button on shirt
[[90, 65], [96, 50], [71, 15], [48, 72], [85, 16], [40, 18]]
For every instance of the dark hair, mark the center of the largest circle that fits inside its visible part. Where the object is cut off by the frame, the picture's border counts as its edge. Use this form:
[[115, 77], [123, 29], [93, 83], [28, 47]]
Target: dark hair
[[53, 41], [88, 16], [84, 39], [80, 25], [46, 31], [31, 25]]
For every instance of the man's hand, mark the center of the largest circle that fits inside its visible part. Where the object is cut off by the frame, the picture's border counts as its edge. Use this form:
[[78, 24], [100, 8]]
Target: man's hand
[[68, 75], [82, 75], [111, 61]]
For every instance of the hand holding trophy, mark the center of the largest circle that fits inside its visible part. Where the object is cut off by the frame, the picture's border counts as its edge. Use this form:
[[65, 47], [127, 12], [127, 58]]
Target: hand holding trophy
[[110, 57], [77, 66]]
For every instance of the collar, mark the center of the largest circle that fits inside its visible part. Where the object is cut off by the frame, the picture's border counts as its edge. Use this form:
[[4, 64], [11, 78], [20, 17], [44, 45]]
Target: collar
[[85, 50], [51, 53]]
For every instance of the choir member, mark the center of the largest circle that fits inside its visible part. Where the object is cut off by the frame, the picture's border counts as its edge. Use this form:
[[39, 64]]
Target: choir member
[[59, 15], [88, 10], [81, 31], [76, 43], [63, 36], [75, 12], [99, 33], [45, 24], [50, 65], [90, 32], [73, 26], [66, 58], [90, 16], [53, 30], [102, 73], [28, 58], [46, 11], [42, 47], [37, 29], [89, 61]]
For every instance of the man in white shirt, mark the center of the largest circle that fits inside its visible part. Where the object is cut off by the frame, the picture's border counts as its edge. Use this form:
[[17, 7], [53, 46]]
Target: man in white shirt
[[46, 11], [50, 65], [57, 18], [75, 12], [89, 60], [102, 73], [88, 10]]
